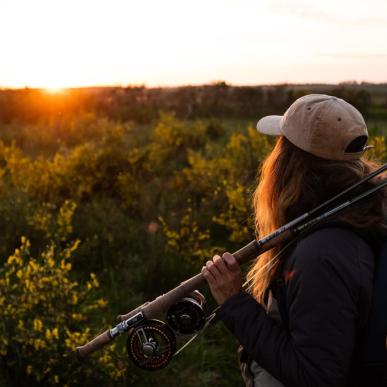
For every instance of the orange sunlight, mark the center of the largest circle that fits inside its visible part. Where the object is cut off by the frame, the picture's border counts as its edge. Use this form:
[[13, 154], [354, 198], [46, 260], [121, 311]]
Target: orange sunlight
[[54, 90]]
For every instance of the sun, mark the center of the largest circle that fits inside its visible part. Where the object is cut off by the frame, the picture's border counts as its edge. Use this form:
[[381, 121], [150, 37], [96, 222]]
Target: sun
[[54, 90], [51, 84]]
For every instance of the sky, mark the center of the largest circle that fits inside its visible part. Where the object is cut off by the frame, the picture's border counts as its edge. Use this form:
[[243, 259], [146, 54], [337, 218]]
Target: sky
[[70, 43]]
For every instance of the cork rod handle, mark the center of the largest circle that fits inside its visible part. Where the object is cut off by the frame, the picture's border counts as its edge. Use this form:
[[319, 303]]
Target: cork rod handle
[[97, 343]]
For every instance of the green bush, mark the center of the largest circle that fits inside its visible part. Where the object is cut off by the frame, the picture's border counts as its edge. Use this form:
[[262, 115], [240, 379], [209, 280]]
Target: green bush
[[46, 312], [142, 207]]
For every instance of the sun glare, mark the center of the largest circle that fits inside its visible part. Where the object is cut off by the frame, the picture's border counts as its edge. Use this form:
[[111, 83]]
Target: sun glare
[[54, 90]]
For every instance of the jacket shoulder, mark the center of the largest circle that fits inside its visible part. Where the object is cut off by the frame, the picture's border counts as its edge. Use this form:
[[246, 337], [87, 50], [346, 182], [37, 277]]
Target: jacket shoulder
[[329, 256], [334, 240]]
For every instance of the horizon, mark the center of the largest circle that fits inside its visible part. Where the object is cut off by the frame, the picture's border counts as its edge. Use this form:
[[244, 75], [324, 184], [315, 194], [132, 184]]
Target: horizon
[[214, 83], [70, 44]]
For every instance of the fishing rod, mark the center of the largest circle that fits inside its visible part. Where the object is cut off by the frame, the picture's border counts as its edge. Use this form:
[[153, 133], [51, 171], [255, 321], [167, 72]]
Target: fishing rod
[[152, 343]]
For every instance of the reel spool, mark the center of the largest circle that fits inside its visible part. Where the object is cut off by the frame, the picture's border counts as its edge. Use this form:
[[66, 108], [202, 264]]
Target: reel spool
[[151, 345], [188, 315]]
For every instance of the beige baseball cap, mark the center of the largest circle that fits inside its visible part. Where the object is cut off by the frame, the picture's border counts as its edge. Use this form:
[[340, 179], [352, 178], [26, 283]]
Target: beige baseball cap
[[322, 125]]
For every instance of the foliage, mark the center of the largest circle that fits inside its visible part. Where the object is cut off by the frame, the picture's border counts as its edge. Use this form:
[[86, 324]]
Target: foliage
[[379, 150], [44, 312], [140, 206], [143, 105]]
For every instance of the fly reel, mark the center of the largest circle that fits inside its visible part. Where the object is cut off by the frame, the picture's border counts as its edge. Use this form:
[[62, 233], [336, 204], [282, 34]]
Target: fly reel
[[188, 315], [151, 345]]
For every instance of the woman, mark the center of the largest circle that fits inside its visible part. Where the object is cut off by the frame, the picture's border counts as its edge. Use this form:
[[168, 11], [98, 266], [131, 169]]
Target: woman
[[300, 321]]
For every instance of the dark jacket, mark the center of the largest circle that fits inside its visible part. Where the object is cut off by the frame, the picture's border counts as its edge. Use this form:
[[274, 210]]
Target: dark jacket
[[324, 303]]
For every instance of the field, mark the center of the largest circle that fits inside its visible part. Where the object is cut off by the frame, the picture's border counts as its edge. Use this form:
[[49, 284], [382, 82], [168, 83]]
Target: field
[[112, 196]]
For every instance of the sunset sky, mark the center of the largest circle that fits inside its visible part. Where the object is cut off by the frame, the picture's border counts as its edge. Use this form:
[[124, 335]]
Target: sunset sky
[[68, 43]]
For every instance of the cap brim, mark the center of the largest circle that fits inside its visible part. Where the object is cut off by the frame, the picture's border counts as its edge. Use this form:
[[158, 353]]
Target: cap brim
[[270, 125]]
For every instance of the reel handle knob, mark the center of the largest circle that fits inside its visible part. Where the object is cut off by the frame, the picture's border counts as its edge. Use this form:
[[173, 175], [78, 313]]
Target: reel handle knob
[[97, 343], [149, 348]]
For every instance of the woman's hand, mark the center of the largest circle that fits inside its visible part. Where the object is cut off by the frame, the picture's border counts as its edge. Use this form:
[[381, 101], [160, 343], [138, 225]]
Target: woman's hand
[[224, 276]]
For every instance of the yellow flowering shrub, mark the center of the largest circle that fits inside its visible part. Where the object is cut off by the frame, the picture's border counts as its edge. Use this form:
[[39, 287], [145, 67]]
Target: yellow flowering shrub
[[187, 239], [235, 216], [54, 224], [171, 138], [45, 312], [379, 150], [74, 172], [44, 316]]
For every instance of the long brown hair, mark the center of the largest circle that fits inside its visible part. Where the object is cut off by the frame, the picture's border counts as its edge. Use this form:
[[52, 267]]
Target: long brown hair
[[292, 182]]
